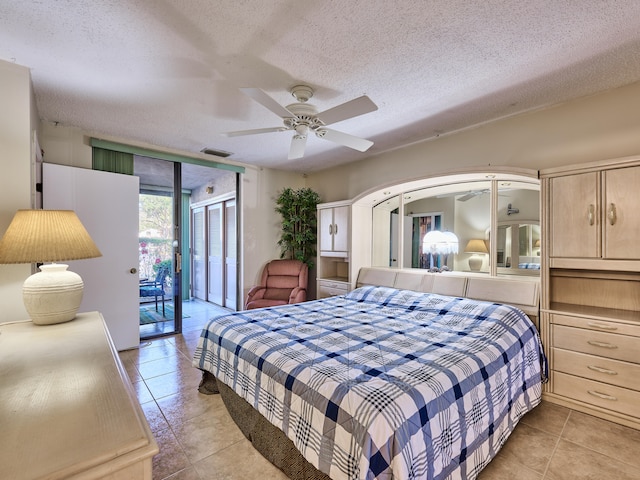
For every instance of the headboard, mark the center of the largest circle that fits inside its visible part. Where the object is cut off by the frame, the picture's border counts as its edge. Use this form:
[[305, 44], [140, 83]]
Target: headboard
[[521, 292]]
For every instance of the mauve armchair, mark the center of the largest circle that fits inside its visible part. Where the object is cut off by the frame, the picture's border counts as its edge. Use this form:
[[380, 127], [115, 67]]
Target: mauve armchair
[[282, 282]]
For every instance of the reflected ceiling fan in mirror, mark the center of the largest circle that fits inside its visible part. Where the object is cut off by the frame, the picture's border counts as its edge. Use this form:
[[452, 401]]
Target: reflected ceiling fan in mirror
[[302, 117]]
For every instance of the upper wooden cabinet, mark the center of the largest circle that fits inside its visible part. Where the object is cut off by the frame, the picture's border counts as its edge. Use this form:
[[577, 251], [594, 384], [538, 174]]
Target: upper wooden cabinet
[[573, 214], [334, 231], [593, 216], [620, 204]]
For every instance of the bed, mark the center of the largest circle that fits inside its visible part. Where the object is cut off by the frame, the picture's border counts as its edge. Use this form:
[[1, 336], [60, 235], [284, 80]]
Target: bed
[[385, 382]]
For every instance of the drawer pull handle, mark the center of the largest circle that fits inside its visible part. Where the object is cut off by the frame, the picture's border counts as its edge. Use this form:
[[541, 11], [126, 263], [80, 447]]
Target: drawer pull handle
[[603, 327], [602, 344], [595, 368], [603, 396]]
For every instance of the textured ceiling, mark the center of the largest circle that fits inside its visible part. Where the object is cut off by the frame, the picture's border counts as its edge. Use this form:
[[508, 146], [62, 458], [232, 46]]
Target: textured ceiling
[[167, 73]]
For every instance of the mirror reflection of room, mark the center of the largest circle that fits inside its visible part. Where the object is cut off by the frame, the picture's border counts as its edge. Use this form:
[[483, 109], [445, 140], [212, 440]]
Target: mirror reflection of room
[[463, 211]]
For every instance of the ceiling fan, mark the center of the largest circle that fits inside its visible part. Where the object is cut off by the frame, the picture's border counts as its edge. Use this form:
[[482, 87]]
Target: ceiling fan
[[302, 117]]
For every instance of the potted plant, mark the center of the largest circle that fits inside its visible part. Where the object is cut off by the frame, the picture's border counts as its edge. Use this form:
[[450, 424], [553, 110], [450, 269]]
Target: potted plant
[[299, 224]]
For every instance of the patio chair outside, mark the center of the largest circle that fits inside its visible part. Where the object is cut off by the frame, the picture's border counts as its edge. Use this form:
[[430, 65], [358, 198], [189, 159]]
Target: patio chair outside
[[155, 288]]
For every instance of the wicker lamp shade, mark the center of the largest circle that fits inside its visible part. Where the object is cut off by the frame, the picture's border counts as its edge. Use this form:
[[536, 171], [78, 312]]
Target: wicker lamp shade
[[37, 236], [52, 295]]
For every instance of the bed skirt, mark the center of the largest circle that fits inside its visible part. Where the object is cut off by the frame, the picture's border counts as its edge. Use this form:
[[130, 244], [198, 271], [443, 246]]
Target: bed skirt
[[267, 439]]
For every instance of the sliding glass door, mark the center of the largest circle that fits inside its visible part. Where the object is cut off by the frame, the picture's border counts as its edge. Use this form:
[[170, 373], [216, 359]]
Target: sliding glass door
[[160, 253]]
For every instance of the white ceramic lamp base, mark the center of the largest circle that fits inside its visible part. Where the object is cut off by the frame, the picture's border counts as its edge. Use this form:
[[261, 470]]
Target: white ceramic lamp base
[[52, 295], [475, 263]]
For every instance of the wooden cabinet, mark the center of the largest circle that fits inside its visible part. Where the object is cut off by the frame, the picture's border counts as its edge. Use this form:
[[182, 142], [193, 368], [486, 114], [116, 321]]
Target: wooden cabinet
[[334, 231], [590, 322], [69, 410], [574, 222], [593, 215], [334, 252]]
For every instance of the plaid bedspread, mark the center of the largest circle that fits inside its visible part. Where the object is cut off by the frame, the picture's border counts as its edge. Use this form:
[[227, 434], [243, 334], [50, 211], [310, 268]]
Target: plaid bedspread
[[383, 383]]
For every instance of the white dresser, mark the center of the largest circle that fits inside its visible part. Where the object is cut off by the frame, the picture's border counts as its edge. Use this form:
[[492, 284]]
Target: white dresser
[[67, 408]]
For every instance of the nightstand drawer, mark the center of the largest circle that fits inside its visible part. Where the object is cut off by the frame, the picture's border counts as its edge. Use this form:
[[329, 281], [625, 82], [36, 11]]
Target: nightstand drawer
[[614, 372], [608, 345], [595, 393]]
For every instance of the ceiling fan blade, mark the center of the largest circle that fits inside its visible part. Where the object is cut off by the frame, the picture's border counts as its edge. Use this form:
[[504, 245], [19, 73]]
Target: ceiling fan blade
[[257, 131], [267, 102], [298, 142], [345, 139], [350, 109]]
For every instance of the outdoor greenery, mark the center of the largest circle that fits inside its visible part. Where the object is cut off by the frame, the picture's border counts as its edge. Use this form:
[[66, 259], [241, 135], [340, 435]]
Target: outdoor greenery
[[155, 237], [299, 224]]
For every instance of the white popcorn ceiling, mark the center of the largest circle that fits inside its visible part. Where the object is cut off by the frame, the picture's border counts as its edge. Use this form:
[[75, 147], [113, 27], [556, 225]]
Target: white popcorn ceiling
[[167, 72]]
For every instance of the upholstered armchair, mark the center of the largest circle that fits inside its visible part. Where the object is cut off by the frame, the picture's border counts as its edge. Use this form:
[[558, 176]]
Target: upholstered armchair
[[282, 282]]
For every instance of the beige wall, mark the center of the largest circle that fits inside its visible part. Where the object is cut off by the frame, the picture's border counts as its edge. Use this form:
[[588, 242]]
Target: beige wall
[[599, 127], [16, 126]]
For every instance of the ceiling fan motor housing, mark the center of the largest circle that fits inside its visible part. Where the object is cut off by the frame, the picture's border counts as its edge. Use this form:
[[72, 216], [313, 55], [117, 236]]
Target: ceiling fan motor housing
[[302, 93]]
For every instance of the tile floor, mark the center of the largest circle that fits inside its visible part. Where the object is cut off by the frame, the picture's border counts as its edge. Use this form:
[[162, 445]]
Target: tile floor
[[199, 441]]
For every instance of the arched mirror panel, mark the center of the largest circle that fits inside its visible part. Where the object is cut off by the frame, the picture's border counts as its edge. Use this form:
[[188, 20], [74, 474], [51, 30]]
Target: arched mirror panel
[[448, 227]]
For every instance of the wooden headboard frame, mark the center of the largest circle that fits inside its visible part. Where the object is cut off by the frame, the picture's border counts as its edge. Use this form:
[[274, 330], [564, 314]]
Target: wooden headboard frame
[[521, 292]]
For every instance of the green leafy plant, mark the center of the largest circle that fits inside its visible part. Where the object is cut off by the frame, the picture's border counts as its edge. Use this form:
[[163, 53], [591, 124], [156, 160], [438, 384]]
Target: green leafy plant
[[299, 224]]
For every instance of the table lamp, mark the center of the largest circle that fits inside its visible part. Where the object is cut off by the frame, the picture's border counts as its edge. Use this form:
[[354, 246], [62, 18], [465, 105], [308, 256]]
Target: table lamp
[[476, 246], [52, 295]]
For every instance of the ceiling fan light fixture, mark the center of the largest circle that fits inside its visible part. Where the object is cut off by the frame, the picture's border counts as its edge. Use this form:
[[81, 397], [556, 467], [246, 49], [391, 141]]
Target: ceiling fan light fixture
[[302, 130]]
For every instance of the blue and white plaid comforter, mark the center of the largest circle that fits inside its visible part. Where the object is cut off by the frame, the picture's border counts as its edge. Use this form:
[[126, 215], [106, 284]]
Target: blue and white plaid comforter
[[383, 383]]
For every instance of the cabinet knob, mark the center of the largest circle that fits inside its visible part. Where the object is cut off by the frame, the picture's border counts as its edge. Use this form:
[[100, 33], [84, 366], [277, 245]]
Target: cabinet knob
[[133, 271]]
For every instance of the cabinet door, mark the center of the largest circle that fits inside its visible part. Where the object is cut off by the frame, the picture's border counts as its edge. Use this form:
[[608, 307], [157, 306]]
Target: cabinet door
[[325, 230], [575, 216], [341, 229], [620, 213]]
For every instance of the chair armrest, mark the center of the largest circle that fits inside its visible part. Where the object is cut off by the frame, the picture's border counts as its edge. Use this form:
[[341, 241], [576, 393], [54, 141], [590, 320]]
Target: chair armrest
[[256, 292], [298, 295]]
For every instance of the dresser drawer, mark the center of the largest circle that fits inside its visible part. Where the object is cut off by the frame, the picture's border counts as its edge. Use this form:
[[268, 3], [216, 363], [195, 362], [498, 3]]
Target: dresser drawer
[[608, 345], [329, 288], [597, 325], [595, 393], [614, 372]]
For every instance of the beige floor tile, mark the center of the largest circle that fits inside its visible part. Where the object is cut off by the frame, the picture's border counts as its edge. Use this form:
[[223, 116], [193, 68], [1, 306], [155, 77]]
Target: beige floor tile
[[189, 473], [506, 468], [238, 462], [571, 462], [529, 447], [171, 458], [155, 350], [207, 434], [547, 417], [615, 441], [154, 416], [171, 383], [142, 392], [167, 364], [188, 404]]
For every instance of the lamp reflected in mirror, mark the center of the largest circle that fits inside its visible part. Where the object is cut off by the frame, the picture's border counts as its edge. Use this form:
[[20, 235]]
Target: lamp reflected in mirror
[[476, 247]]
